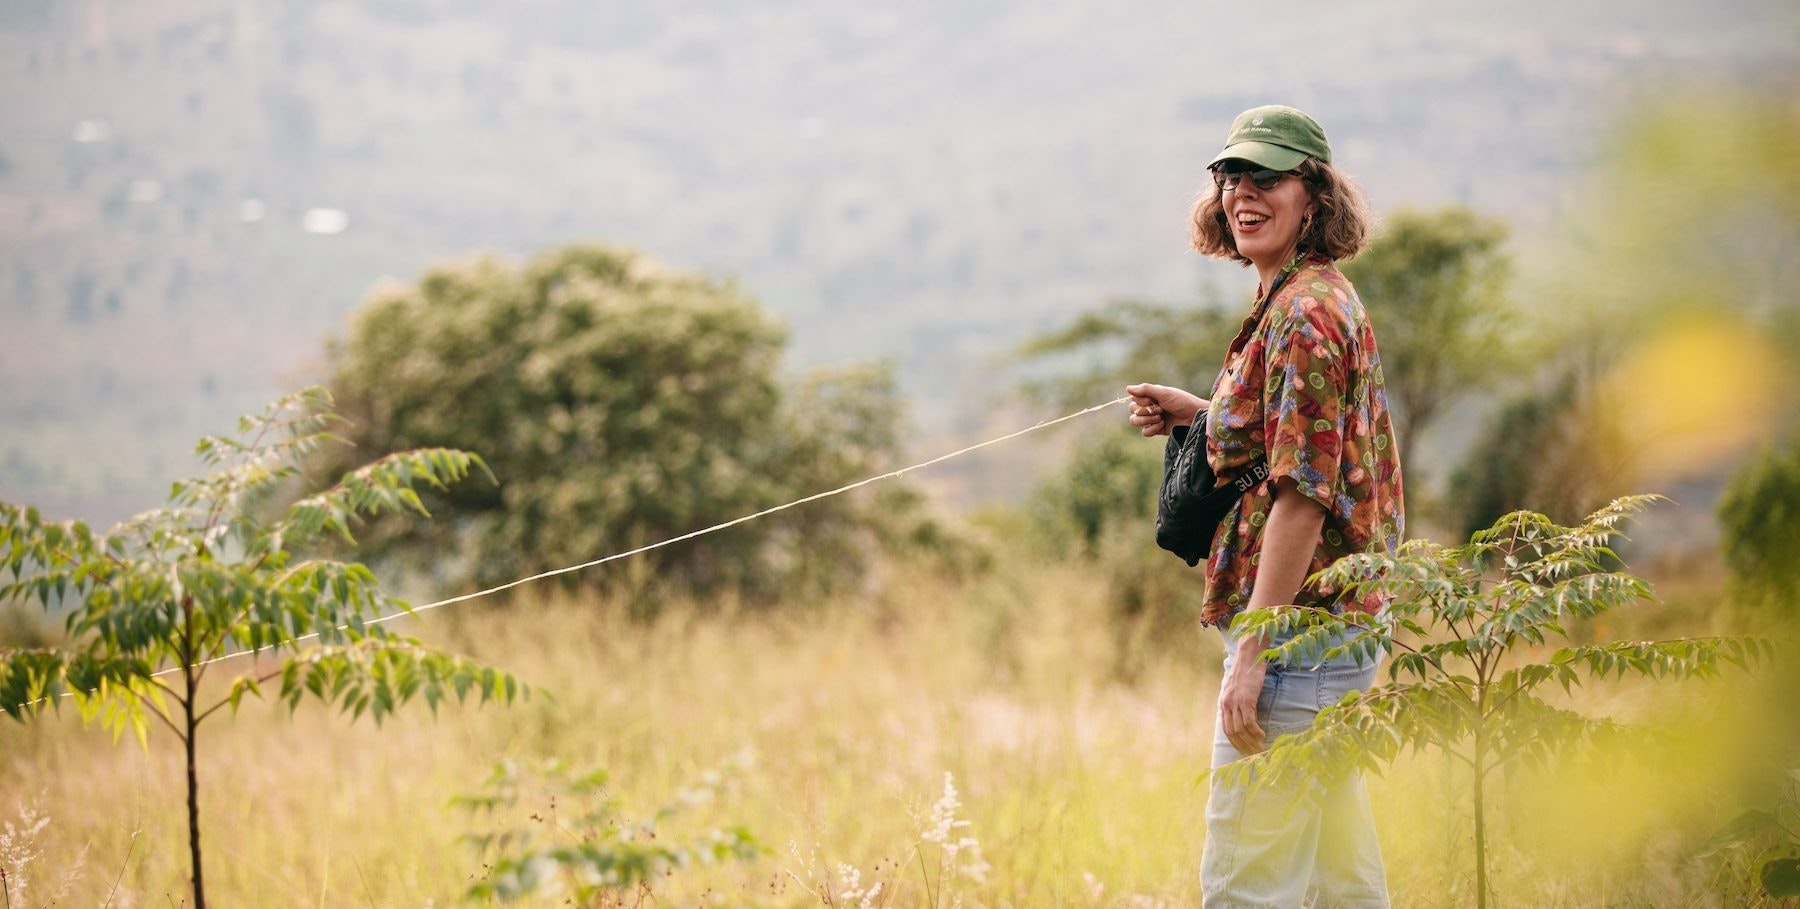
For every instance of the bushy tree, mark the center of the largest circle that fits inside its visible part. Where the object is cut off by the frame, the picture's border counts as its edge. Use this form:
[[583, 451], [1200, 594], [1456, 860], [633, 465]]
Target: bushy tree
[[619, 404], [156, 602]]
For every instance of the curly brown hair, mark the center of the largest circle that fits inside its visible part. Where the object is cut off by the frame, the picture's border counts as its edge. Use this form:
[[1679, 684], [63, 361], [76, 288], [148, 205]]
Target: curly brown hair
[[1339, 229]]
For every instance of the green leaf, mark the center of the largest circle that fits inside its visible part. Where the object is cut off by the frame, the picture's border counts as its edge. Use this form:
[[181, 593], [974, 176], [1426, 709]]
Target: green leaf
[[1781, 877], [140, 725], [245, 684]]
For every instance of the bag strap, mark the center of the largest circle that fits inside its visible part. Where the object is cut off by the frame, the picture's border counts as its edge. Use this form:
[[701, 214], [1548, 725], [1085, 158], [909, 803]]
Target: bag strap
[[1258, 471]]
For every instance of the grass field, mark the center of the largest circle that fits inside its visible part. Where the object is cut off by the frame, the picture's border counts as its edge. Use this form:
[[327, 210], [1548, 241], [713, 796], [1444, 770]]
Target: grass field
[[843, 721]]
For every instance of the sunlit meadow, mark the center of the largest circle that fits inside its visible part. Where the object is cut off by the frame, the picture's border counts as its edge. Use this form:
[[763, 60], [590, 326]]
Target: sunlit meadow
[[842, 729]]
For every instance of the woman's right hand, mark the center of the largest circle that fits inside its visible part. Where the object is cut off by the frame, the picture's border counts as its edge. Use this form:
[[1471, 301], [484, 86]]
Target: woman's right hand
[[1239, 691], [1156, 409]]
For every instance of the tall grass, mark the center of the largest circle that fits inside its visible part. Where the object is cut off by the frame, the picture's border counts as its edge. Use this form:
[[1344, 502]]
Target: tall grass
[[1081, 789]]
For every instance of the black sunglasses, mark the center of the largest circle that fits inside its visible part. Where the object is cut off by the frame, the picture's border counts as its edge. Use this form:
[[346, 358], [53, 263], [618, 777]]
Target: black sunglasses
[[1227, 175]]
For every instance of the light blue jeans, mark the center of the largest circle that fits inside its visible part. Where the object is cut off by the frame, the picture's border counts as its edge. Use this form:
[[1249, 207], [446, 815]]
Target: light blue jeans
[[1269, 848]]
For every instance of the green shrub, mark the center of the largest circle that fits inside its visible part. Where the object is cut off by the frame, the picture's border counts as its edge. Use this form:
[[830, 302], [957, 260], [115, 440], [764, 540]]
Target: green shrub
[[619, 404], [1759, 517]]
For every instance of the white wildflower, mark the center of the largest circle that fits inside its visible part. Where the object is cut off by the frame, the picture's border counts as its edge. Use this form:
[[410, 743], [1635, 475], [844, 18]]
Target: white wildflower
[[960, 854], [850, 878], [851, 888], [943, 816], [973, 866], [868, 900], [20, 849]]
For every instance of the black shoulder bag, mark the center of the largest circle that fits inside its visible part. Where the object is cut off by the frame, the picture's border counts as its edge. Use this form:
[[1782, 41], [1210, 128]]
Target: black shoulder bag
[[1191, 503]]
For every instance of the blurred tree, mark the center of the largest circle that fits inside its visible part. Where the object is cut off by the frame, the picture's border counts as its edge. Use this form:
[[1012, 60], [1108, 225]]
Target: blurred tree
[[1100, 506], [1111, 479], [619, 405], [1128, 341], [1665, 339], [1435, 286], [1760, 517], [1555, 449]]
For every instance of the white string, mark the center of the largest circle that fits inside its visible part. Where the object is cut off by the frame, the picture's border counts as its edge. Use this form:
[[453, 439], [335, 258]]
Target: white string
[[673, 540]]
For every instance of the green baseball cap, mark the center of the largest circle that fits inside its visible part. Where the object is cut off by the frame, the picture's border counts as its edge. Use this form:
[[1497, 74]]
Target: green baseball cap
[[1275, 136]]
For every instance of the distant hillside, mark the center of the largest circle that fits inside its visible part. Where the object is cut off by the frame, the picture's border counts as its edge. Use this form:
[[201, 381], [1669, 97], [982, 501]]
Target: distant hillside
[[929, 185]]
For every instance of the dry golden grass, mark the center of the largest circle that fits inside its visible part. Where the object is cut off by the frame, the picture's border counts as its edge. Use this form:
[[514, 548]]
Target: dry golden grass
[[1081, 789]]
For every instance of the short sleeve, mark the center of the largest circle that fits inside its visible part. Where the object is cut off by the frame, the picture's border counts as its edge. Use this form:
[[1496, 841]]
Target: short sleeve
[[1304, 399]]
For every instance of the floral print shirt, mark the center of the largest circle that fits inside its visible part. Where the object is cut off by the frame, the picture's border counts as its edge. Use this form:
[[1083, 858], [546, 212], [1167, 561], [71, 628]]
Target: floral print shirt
[[1302, 385]]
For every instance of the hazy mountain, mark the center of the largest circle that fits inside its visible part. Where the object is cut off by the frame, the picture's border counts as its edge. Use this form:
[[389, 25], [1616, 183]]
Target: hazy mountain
[[193, 194]]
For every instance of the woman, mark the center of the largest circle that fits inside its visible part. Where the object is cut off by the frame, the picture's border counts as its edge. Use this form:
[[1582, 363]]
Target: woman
[[1302, 386]]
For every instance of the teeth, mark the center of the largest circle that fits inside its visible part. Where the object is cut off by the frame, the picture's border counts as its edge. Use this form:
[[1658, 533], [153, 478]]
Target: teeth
[[1252, 219]]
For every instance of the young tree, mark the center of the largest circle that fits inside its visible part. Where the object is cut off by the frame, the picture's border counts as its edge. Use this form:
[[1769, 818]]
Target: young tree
[[1461, 679], [154, 603]]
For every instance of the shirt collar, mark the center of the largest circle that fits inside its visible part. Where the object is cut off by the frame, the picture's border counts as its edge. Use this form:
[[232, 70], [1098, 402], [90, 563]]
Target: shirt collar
[[1281, 277]]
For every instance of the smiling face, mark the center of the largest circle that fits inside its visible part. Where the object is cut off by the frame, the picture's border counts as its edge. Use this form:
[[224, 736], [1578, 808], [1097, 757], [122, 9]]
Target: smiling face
[[1338, 230], [1265, 223]]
